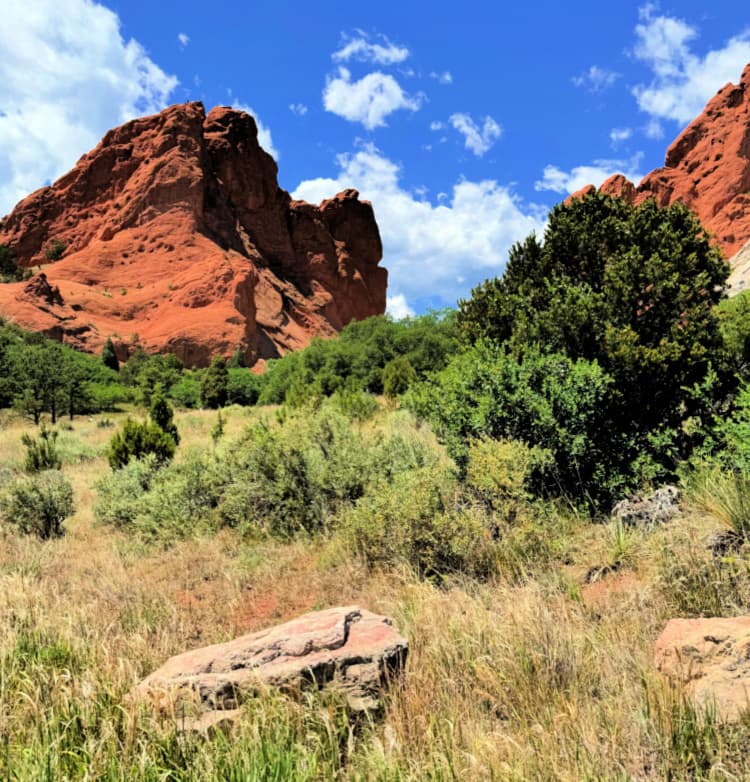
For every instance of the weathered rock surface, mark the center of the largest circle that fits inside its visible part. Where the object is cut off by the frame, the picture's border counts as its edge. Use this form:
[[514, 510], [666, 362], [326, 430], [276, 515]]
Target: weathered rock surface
[[711, 658], [707, 168], [350, 649], [656, 508], [739, 279], [175, 230]]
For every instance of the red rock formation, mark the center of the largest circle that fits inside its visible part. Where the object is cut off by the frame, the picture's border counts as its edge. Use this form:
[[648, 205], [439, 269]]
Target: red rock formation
[[707, 168], [177, 236]]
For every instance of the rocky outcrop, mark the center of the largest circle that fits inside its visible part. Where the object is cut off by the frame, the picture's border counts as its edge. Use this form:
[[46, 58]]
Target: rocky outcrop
[[174, 234], [707, 168], [658, 507], [349, 649], [711, 659]]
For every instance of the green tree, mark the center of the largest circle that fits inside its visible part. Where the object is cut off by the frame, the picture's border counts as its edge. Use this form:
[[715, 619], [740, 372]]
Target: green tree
[[109, 357], [632, 288], [162, 415], [215, 384]]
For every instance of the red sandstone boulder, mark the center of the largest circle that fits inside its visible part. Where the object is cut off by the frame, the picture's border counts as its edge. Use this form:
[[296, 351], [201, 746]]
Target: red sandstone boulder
[[707, 168], [176, 232], [711, 659], [349, 649]]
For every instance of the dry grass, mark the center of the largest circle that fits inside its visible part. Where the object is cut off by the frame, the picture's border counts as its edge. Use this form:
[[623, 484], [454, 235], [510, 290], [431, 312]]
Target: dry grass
[[536, 679]]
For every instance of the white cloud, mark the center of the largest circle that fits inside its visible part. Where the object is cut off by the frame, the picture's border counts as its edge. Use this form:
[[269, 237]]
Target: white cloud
[[596, 79], [653, 129], [478, 140], [363, 49], [398, 308], [618, 135], [298, 108], [184, 39], [264, 133], [427, 247], [437, 125], [66, 77], [566, 182], [445, 77], [682, 81], [369, 100]]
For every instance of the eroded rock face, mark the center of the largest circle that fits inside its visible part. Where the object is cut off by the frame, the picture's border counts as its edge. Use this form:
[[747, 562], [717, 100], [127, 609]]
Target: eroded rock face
[[350, 649], [707, 168], [175, 230], [711, 658]]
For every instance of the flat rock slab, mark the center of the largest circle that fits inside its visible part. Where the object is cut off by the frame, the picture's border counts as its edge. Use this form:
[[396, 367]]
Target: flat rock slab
[[349, 649], [711, 658]]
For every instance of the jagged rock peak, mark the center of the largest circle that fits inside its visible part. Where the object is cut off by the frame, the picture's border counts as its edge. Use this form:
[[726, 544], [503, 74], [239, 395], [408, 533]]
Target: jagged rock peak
[[707, 168], [174, 234]]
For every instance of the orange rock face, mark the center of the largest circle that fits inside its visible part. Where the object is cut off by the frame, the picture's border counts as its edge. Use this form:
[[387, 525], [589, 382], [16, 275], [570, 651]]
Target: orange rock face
[[178, 238], [707, 168]]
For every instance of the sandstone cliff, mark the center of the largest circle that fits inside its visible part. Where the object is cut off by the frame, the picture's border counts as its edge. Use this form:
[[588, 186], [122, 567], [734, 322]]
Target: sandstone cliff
[[175, 235], [707, 168]]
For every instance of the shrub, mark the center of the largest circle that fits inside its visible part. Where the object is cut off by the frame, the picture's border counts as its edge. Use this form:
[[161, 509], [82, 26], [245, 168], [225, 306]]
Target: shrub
[[136, 440], [414, 520], [186, 392], [504, 473], [398, 375], [39, 505], [120, 493], [109, 357], [42, 452], [55, 250], [9, 270]]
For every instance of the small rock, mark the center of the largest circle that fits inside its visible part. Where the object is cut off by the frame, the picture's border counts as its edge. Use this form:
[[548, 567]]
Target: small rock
[[349, 649], [711, 658], [659, 507]]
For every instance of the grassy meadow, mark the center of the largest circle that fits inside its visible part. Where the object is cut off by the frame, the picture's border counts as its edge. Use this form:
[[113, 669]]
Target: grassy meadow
[[525, 673]]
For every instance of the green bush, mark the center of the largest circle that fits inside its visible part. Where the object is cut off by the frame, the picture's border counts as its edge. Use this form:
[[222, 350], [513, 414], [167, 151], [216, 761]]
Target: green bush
[[119, 494], [137, 440], [543, 400], [55, 250], [243, 387], [398, 375], [415, 520], [9, 270], [42, 452], [39, 505], [186, 392]]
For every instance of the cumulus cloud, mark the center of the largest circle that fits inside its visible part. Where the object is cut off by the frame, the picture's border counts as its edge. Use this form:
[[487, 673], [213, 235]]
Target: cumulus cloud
[[369, 100], [360, 47], [184, 39], [682, 80], [478, 140], [653, 129], [264, 133], [596, 79], [618, 135], [565, 182], [298, 108], [66, 76], [397, 307], [434, 252]]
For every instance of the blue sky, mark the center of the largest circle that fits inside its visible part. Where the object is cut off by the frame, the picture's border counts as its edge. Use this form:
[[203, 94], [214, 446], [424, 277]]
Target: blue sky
[[462, 123]]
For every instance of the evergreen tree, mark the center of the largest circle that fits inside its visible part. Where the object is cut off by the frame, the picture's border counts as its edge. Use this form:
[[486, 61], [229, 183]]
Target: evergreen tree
[[215, 384], [161, 414], [109, 357]]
